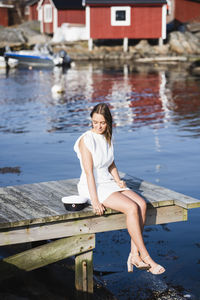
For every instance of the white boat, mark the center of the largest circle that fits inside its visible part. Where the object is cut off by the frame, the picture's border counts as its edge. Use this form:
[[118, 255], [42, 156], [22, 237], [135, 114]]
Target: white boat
[[39, 56], [11, 63]]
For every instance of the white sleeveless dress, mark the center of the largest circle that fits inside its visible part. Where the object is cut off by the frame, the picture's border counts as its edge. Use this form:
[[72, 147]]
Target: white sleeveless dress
[[103, 156]]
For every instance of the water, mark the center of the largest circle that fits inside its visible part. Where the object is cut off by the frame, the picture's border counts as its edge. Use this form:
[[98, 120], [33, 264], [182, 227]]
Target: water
[[157, 138]]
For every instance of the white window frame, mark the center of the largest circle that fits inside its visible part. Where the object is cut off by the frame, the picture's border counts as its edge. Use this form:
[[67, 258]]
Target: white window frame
[[48, 13], [40, 14], [27, 11], [115, 22]]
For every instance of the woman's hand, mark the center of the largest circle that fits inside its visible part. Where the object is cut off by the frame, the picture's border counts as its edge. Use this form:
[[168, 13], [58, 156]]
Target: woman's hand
[[98, 208], [121, 184]]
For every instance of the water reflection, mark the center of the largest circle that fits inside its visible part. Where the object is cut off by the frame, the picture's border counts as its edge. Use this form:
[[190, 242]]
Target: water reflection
[[154, 110], [59, 100]]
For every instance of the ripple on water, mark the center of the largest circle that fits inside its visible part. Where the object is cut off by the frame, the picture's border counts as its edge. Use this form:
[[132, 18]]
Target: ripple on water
[[156, 135]]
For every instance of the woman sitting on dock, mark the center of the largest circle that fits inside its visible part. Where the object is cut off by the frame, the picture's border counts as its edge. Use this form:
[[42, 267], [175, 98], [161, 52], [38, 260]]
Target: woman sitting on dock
[[101, 184]]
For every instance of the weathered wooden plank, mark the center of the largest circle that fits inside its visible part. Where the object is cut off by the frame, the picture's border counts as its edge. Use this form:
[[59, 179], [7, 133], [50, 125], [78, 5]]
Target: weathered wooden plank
[[156, 199], [84, 272], [69, 188], [45, 197], [38, 193], [87, 212], [3, 219], [72, 181], [46, 254], [41, 196], [87, 225], [178, 198], [187, 203], [23, 203], [149, 192], [49, 186], [9, 210]]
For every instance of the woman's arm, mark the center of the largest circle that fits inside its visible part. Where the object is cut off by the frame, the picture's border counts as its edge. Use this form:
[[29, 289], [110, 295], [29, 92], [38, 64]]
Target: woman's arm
[[87, 163], [114, 172]]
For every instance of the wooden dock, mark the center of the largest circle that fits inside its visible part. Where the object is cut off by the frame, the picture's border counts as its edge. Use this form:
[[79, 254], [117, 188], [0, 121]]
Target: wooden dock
[[34, 212]]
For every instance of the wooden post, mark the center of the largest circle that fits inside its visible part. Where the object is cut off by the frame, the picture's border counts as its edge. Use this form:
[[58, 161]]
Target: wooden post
[[90, 44], [160, 41], [84, 272], [125, 44]]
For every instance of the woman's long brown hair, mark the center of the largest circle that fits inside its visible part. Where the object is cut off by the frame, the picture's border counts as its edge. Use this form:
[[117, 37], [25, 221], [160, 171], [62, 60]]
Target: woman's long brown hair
[[103, 109]]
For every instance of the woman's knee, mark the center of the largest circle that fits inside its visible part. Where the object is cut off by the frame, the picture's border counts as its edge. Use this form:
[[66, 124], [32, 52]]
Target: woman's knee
[[133, 209]]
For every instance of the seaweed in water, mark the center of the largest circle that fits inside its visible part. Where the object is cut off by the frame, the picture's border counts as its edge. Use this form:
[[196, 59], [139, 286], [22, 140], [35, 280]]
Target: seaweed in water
[[5, 170]]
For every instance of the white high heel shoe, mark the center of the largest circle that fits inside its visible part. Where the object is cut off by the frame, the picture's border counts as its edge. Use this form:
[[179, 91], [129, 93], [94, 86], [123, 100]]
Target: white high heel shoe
[[157, 270], [141, 265]]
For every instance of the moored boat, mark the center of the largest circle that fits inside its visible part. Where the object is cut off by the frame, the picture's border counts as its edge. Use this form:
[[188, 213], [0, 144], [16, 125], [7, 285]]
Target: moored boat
[[10, 62], [39, 56]]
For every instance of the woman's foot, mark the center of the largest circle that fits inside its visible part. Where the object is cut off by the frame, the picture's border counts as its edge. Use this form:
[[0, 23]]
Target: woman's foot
[[135, 260], [154, 267]]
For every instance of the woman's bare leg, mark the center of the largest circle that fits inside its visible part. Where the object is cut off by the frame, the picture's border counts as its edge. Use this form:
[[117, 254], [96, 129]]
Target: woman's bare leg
[[124, 204], [120, 202], [142, 207]]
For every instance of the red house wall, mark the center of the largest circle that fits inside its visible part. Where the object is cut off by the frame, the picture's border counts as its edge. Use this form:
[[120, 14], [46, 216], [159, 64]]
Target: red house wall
[[71, 16], [146, 22], [33, 15], [47, 27], [186, 10], [3, 16]]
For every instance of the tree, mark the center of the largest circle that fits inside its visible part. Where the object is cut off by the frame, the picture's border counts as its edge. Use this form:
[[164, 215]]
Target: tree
[[19, 6]]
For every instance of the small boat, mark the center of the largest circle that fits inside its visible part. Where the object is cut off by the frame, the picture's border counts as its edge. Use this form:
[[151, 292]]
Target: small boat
[[39, 56], [8, 63]]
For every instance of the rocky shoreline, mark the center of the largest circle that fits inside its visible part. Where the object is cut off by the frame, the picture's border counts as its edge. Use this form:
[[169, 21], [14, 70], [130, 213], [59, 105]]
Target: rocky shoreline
[[185, 44]]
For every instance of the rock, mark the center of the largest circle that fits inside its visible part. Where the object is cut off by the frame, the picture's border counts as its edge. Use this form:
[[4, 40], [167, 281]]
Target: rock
[[144, 49], [26, 33], [193, 27], [38, 39], [33, 26], [194, 42], [11, 37], [143, 46], [31, 31], [184, 43], [197, 34], [163, 50], [174, 43]]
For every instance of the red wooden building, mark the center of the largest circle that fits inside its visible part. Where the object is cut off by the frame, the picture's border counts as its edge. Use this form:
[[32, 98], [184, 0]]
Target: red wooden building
[[53, 13], [4, 14], [187, 10], [31, 12], [126, 19]]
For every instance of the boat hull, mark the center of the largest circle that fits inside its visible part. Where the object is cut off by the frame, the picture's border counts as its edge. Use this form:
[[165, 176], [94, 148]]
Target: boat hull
[[31, 60]]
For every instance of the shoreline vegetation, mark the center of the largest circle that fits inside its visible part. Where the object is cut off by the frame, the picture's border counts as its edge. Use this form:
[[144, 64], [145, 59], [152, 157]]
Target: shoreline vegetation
[[179, 46]]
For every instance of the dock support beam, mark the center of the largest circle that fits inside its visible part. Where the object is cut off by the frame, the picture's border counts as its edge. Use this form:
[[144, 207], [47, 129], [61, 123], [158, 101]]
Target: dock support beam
[[81, 245], [84, 272], [90, 44], [160, 41]]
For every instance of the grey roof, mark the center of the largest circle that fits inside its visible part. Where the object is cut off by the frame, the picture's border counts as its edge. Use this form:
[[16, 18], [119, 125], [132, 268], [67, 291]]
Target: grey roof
[[31, 2], [122, 2], [67, 4]]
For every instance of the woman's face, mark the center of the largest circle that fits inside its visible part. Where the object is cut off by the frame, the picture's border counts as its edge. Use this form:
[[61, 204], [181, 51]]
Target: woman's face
[[98, 123]]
